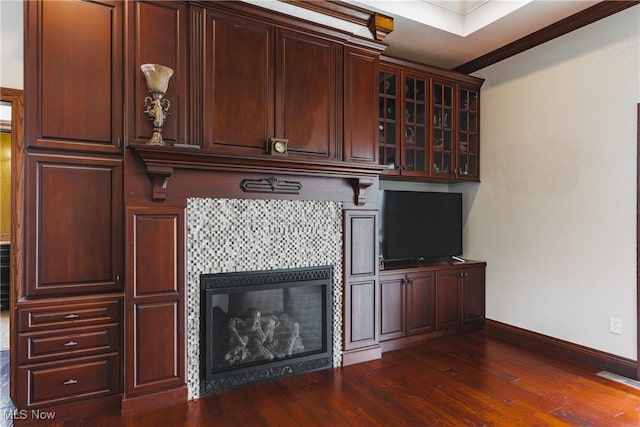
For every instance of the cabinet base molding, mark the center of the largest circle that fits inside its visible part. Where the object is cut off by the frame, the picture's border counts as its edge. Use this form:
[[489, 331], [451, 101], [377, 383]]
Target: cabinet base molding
[[153, 401], [361, 355], [399, 343], [560, 348]]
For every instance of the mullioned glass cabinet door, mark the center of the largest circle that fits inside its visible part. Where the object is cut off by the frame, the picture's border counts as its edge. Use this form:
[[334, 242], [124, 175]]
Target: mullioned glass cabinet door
[[468, 149], [388, 101], [415, 132], [443, 131]]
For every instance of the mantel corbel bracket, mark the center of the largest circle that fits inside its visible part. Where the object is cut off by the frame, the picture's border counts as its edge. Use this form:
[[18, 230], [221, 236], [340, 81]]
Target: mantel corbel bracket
[[360, 186], [159, 175]]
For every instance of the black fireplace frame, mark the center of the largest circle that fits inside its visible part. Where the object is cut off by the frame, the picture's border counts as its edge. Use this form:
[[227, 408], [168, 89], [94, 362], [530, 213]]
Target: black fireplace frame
[[218, 283]]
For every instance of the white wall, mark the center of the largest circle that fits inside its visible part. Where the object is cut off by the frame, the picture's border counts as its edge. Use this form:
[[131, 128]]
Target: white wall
[[555, 214], [11, 44]]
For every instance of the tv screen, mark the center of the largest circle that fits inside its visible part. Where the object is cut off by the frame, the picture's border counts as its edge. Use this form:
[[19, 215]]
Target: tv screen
[[416, 226]]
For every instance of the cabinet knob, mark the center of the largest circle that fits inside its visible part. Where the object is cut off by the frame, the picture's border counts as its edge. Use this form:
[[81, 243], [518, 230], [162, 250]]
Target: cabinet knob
[[71, 316], [70, 344], [70, 381]]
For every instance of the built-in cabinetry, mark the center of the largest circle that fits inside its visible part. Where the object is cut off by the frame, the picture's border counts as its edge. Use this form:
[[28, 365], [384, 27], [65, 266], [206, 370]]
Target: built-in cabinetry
[[406, 303], [427, 122], [417, 302], [361, 299], [66, 346], [254, 79], [100, 305], [154, 302], [68, 351]]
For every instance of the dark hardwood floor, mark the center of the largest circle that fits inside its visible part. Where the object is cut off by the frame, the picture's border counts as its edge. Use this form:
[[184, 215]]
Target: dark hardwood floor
[[471, 380]]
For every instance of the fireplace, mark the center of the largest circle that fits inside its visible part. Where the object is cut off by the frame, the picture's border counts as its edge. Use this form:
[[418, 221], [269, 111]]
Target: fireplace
[[246, 235], [261, 325]]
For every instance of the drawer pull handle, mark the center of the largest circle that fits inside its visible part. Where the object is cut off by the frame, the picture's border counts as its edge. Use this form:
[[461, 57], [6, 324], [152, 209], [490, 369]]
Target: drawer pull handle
[[71, 316], [70, 344], [70, 382]]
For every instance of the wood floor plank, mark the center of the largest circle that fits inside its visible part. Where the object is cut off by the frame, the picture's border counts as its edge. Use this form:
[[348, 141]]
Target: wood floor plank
[[470, 380]]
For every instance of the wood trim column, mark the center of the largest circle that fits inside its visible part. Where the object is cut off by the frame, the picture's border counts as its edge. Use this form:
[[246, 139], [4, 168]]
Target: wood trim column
[[155, 347]]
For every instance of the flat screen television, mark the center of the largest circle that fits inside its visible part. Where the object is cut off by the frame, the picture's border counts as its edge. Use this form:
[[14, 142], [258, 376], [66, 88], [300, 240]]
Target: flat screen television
[[420, 226]]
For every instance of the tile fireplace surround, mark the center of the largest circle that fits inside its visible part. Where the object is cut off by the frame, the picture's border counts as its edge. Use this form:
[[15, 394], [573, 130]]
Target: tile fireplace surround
[[229, 235]]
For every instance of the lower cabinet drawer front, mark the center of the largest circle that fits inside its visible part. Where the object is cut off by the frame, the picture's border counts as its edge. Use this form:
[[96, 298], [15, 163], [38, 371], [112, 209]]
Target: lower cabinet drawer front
[[62, 382], [41, 347], [68, 315]]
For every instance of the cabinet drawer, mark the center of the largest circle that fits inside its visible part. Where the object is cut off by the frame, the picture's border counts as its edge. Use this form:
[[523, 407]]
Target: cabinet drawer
[[61, 382], [41, 347], [70, 315]]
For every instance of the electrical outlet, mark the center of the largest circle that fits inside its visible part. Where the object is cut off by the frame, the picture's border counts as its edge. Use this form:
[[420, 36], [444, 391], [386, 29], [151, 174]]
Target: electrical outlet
[[615, 325]]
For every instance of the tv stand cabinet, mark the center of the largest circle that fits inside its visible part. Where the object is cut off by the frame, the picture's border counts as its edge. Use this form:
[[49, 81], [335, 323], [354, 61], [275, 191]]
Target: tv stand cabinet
[[430, 299]]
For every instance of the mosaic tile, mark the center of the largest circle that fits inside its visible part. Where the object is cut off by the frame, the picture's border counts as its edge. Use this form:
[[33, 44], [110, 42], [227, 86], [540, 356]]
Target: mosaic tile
[[229, 235]]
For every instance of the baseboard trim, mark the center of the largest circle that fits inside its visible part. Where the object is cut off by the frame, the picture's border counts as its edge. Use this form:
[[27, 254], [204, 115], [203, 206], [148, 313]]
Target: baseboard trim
[[560, 348], [352, 357]]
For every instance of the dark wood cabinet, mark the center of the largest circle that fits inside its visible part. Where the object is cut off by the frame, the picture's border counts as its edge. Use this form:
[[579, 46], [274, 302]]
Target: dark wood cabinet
[[75, 93], [473, 295], [360, 121], [75, 231], [361, 296], [448, 299], [154, 302], [238, 94], [419, 299], [443, 147], [460, 295], [406, 304], [418, 302], [267, 82], [308, 93], [468, 167], [427, 122], [68, 351]]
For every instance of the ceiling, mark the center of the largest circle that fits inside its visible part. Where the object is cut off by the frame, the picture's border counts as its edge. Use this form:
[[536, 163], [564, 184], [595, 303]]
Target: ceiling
[[448, 33]]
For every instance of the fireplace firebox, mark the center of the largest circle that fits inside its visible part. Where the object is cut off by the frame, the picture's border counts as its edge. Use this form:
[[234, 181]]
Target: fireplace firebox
[[261, 325]]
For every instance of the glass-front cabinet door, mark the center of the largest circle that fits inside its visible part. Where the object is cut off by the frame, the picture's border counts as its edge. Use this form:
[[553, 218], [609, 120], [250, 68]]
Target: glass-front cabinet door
[[468, 150], [388, 117], [415, 133], [443, 149]]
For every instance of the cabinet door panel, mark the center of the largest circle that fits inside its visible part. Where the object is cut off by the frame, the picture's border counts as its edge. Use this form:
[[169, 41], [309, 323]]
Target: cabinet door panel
[[306, 96], [154, 304], [389, 120], [361, 275], [444, 143], [448, 299], [360, 136], [415, 125], [362, 253], [468, 134], [74, 234], [420, 303], [78, 83], [360, 302], [392, 313], [155, 240], [474, 291], [238, 103]]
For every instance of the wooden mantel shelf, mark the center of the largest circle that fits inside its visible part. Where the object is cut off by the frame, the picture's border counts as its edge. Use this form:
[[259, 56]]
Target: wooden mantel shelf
[[161, 161]]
